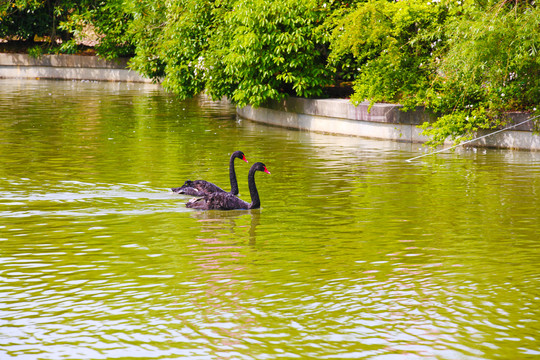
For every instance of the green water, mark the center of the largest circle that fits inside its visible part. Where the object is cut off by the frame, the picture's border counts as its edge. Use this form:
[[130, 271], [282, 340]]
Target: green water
[[355, 253]]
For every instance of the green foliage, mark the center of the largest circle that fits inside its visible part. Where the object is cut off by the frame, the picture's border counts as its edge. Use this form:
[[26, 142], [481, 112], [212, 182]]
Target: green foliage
[[490, 65], [468, 62], [171, 39], [26, 19], [185, 42], [107, 21], [248, 50], [111, 24], [271, 50], [66, 20], [36, 52], [146, 29], [391, 43]]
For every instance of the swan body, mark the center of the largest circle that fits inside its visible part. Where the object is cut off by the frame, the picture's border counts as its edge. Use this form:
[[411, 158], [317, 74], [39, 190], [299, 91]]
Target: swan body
[[203, 187], [198, 188], [228, 201]]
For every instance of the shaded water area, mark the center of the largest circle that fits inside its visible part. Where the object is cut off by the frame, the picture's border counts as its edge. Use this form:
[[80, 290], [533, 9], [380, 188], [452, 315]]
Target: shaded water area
[[355, 253]]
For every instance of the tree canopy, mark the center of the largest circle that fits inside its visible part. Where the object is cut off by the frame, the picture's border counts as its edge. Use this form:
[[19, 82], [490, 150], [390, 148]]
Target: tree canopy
[[467, 61]]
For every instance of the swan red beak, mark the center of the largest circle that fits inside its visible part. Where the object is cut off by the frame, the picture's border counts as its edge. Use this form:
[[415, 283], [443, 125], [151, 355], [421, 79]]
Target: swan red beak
[[244, 158], [266, 170]]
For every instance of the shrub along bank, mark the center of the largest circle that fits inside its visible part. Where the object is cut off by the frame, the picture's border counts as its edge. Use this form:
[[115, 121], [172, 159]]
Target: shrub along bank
[[468, 61]]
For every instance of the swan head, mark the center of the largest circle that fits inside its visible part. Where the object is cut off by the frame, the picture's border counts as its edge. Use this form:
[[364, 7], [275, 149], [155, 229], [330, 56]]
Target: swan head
[[259, 166], [239, 155]]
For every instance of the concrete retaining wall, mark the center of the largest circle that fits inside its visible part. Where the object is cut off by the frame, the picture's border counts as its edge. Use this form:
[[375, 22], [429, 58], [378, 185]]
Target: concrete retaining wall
[[68, 67], [383, 121]]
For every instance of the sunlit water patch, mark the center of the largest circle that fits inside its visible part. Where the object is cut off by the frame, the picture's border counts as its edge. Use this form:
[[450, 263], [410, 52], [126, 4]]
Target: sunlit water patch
[[72, 198]]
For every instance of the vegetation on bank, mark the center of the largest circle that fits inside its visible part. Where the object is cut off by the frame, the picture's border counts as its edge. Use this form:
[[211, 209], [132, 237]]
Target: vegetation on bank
[[467, 61]]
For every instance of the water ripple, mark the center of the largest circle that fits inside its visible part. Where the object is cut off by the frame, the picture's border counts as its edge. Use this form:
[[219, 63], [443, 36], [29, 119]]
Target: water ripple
[[86, 200], [354, 254]]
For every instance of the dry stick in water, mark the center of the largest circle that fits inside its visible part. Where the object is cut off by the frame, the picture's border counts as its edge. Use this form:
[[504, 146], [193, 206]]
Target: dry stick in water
[[478, 138]]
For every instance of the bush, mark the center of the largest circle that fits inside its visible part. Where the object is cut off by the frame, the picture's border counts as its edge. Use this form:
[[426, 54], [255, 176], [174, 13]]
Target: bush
[[184, 45], [67, 20], [107, 21], [25, 20], [146, 29], [489, 66], [391, 44], [271, 50], [468, 62], [248, 50]]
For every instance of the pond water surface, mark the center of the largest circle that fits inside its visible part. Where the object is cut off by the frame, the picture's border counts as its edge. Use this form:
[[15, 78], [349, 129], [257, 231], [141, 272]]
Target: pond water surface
[[355, 253]]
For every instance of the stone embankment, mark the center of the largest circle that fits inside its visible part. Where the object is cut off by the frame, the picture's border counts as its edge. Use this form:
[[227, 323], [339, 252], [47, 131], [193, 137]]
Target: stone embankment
[[382, 121], [67, 67]]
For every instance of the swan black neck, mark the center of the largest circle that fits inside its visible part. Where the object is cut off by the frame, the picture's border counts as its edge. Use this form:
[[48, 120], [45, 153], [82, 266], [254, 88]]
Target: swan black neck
[[255, 200], [232, 175]]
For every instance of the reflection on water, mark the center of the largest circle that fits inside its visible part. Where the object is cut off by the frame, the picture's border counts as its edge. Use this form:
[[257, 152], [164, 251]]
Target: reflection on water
[[230, 220], [354, 254], [224, 317]]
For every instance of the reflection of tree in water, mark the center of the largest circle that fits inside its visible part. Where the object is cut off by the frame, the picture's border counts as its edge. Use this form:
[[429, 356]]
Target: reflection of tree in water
[[221, 319]]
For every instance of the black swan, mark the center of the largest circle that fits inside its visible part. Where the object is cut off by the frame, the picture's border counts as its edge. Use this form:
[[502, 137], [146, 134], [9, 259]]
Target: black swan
[[203, 187], [227, 201]]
